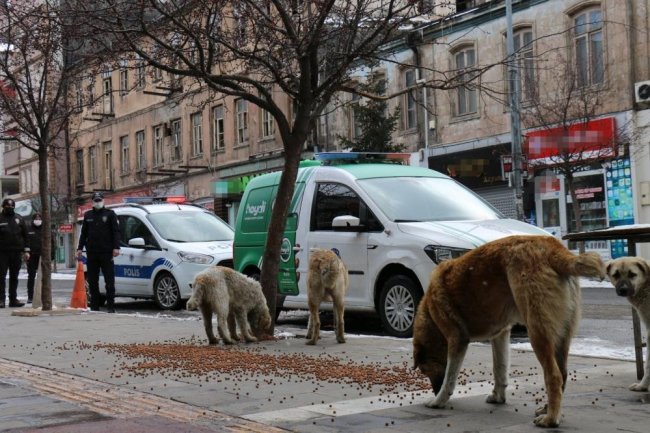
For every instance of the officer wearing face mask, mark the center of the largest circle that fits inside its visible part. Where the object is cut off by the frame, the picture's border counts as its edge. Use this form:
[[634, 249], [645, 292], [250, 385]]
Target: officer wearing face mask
[[13, 245], [34, 242], [100, 236]]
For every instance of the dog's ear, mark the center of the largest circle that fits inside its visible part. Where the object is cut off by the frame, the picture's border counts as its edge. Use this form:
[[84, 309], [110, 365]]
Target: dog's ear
[[645, 267], [608, 267]]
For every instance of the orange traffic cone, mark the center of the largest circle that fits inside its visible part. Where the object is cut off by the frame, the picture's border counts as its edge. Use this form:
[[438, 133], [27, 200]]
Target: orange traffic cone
[[78, 299]]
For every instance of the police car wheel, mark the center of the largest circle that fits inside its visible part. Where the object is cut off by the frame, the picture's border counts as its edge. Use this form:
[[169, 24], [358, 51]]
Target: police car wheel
[[166, 293], [398, 302]]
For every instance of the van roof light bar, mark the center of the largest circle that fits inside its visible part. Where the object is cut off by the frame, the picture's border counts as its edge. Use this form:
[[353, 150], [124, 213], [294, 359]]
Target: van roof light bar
[[335, 158], [174, 199]]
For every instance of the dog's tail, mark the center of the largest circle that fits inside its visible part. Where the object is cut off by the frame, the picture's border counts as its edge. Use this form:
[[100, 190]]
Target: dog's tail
[[587, 264]]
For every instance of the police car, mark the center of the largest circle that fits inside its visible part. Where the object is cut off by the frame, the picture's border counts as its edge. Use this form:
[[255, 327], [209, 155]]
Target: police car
[[163, 246]]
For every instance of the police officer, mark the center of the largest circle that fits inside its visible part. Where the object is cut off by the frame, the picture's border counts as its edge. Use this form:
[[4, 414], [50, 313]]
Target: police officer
[[100, 236], [13, 243]]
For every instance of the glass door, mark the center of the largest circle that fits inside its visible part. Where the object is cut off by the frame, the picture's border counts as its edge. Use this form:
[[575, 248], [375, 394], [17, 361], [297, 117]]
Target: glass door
[[550, 204]]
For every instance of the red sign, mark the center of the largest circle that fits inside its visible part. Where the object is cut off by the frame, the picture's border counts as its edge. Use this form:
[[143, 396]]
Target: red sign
[[582, 141], [65, 228]]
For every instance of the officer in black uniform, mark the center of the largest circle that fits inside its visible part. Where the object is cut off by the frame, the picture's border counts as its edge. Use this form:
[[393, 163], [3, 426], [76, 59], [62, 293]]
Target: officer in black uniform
[[13, 243], [100, 236]]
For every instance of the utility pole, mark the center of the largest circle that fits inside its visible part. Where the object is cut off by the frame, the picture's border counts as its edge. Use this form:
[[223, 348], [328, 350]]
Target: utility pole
[[515, 124]]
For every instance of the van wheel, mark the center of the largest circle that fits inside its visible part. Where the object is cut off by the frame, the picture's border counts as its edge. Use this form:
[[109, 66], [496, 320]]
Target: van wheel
[[166, 292], [398, 302]]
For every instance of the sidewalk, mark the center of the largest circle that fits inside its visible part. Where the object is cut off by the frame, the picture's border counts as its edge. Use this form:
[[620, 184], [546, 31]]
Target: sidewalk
[[95, 372]]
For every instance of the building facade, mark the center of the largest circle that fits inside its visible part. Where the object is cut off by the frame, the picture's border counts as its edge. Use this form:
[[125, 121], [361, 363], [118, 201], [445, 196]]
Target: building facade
[[580, 64]]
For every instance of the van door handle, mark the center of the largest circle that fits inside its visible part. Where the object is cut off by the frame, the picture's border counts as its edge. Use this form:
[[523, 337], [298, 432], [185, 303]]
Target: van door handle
[[297, 249], [372, 247]]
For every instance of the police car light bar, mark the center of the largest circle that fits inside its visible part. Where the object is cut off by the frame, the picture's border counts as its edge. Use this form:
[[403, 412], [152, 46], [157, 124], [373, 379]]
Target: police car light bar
[[333, 158], [156, 200]]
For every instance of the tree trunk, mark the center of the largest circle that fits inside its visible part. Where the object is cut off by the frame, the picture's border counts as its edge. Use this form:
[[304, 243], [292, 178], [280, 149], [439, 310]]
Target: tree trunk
[[46, 232], [271, 258]]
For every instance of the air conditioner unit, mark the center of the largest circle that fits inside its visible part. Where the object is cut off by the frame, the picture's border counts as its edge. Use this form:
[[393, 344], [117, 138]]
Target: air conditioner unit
[[642, 91]]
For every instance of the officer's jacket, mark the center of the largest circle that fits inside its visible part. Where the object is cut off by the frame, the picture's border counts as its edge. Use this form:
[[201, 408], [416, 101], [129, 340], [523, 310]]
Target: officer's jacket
[[100, 232], [13, 233]]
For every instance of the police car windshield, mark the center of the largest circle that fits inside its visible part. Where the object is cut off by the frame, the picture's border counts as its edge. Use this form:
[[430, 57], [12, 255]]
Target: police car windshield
[[409, 199], [183, 226]]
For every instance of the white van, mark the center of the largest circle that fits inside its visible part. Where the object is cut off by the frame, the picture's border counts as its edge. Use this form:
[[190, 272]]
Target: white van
[[163, 246], [390, 223]]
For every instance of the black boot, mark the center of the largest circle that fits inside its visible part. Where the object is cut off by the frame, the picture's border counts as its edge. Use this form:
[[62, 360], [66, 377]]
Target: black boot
[[16, 303]]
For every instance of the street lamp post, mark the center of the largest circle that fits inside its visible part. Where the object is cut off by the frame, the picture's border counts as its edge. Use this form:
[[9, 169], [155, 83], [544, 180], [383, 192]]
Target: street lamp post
[[515, 124]]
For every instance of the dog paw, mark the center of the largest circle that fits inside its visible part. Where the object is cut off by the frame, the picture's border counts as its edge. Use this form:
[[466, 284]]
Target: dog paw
[[228, 342], [541, 410], [546, 421], [251, 339], [340, 340], [310, 342], [212, 342], [639, 387], [495, 399], [434, 403]]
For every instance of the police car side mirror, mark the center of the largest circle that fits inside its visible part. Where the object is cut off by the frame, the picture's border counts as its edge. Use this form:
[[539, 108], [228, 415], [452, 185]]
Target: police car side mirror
[[347, 223], [137, 242]]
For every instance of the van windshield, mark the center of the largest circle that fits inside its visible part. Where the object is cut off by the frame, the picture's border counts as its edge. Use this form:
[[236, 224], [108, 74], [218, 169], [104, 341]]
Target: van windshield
[[413, 199], [185, 226]]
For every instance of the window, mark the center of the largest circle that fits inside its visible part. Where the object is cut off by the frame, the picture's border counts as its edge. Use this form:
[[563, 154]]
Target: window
[[91, 91], [176, 140], [124, 154], [355, 124], [157, 74], [241, 106], [108, 165], [197, 134], [80, 166], [268, 124], [78, 97], [107, 94], [92, 163], [132, 227], [466, 97], [140, 160], [124, 79], [158, 145], [410, 116], [218, 136], [332, 200], [588, 45], [525, 64], [140, 74]]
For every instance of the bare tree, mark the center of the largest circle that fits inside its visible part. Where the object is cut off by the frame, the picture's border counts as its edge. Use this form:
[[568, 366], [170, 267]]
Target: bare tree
[[306, 49], [33, 97], [564, 110]]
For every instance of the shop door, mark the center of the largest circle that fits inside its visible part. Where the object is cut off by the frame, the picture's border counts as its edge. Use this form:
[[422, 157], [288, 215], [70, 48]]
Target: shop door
[[550, 204]]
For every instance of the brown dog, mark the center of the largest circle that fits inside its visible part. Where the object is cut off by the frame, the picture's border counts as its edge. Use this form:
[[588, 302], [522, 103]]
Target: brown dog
[[631, 278], [479, 296], [237, 300], [327, 280]]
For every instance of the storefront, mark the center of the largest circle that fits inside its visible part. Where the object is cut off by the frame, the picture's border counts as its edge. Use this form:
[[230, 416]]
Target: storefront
[[602, 181], [483, 170]]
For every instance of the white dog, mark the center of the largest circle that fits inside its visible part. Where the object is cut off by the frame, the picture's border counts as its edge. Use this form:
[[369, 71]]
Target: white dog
[[234, 297]]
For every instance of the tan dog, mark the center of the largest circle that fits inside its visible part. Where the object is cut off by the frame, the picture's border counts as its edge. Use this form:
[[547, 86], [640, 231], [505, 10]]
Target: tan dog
[[631, 278], [234, 297], [327, 280], [479, 296]]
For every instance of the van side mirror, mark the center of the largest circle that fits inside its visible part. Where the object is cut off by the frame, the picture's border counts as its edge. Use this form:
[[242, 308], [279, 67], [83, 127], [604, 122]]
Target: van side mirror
[[137, 242], [347, 223]]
